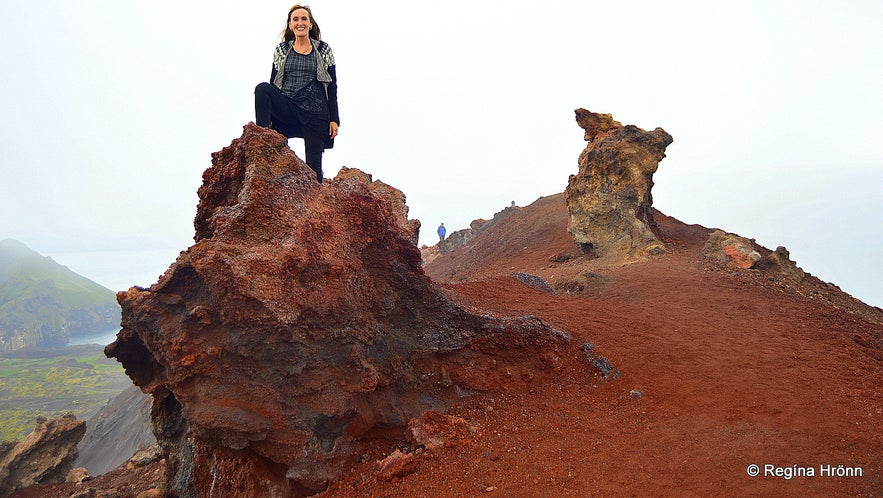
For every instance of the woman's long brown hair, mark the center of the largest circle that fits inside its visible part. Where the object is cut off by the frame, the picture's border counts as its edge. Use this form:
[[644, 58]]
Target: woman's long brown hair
[[288, 34]]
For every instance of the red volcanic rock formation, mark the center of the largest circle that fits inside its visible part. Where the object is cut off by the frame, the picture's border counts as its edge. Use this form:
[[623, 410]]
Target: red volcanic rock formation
[[298, 323], [609, 198]]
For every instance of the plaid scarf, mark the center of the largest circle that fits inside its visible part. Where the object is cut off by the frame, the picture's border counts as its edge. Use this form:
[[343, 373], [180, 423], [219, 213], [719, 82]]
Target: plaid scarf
[[324, 59]]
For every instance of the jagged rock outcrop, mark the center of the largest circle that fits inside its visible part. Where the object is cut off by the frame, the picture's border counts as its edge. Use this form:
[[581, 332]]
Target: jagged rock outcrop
[[732, 249], [609, 199], [298, 323], [779, 261], [46, 455]]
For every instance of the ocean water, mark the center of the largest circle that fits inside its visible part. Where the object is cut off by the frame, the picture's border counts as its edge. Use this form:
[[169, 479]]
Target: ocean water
[[116, 270], [103, 338]]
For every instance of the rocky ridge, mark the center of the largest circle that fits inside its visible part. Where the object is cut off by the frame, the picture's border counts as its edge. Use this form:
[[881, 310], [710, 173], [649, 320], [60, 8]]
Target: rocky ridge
[[462, 237]]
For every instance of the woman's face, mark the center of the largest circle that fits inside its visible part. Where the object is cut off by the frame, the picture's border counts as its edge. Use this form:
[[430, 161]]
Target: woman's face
[[299, 22]]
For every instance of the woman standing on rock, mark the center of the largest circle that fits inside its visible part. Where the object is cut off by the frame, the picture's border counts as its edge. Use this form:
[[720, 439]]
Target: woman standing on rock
[[301, 98]]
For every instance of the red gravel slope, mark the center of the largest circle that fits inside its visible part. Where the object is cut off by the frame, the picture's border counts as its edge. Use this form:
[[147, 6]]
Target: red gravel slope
[[719, 369]]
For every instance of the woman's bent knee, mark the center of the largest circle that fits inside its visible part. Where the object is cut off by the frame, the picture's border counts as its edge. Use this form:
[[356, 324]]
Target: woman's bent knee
[[263, 87]]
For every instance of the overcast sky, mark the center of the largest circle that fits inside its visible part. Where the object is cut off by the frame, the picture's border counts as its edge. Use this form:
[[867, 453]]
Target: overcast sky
[[112, 108]]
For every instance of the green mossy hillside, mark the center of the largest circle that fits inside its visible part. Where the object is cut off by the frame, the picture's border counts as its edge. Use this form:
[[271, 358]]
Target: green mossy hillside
[[50, 383], [43, 303]]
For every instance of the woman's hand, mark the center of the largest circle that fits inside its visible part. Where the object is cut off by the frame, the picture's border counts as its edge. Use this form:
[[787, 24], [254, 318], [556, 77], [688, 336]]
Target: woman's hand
[[332, 129]]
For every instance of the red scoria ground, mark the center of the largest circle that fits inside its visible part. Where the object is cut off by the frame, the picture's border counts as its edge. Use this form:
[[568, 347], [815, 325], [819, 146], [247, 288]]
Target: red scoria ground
[[719, 369]]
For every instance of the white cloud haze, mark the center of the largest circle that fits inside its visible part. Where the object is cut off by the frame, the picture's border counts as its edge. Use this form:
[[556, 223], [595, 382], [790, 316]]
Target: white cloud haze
[[111, 109]]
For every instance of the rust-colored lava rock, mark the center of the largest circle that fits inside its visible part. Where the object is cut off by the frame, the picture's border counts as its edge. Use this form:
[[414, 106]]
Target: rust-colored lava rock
[[299, 325], [609, 199]]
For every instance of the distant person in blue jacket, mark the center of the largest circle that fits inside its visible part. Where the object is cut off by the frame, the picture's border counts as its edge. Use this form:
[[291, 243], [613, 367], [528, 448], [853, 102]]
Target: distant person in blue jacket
[[441, 232], [301, 98]]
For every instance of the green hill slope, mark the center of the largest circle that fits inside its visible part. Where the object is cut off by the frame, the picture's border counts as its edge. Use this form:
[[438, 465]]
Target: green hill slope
[[51, 382], [43, 304]]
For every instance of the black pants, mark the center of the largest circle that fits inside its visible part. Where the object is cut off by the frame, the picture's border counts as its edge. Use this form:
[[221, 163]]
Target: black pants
[[275, 110]]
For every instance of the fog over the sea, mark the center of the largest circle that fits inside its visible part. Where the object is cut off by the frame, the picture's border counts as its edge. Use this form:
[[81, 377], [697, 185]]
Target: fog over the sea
[[112, 108]]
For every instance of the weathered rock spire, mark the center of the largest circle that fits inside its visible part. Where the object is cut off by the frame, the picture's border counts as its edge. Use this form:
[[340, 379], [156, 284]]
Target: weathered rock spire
[[609, 198]]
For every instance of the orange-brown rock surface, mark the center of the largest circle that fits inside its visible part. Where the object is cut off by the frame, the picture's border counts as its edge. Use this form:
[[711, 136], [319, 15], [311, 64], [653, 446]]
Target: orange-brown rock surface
[[730, 248], [300, 325], [609, 199]]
